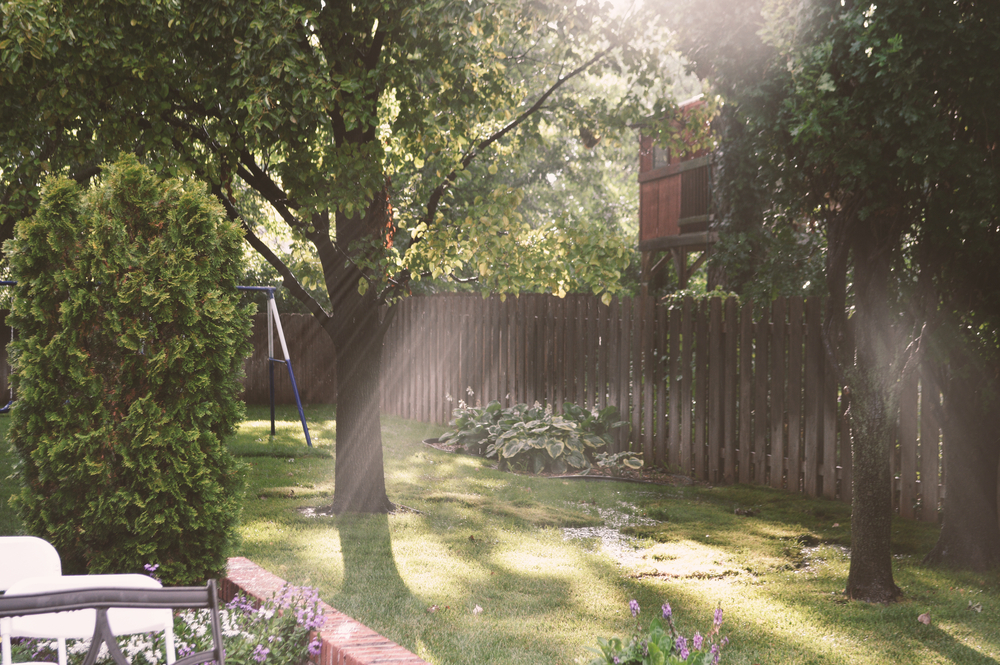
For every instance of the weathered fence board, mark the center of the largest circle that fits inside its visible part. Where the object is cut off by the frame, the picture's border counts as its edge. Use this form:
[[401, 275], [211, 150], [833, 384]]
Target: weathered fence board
[[705, 387], [795, 323]]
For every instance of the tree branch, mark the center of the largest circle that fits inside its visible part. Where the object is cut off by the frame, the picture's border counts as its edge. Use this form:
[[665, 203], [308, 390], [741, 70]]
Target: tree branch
[[288, 278], [435, 198]]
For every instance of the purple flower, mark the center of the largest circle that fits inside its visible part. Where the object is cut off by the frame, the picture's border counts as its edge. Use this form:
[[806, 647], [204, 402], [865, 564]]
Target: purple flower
[[242, 603], [260, 653], [315, 647], [151, 567], [715, 653], [697, 640], [682, 646], [718, 616], [634, 606], [617, 661], [667, 611]]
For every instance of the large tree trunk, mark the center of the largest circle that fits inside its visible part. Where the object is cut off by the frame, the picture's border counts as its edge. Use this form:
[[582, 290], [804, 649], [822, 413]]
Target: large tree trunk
[[970, 534], [870, 576], [357, 330], [360, 481], [873, 415]]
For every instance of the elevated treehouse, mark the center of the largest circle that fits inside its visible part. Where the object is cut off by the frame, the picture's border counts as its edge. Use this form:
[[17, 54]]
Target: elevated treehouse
[[675, 210]]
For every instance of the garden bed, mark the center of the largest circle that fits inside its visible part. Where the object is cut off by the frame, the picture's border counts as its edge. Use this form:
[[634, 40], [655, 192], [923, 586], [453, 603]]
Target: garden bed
[[345, 641], [655, 475]]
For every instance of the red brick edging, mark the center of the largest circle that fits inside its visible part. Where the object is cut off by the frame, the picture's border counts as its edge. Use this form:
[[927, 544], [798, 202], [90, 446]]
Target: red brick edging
[[345, 641]]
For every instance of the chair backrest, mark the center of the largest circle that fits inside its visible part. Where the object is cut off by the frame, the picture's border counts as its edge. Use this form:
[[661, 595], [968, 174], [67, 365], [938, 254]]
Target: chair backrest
[[79, 624], [101, 601], [22, 557]]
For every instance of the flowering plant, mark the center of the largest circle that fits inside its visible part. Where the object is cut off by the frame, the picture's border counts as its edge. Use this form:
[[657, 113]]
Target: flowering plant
[[277, 632], [661, 645]]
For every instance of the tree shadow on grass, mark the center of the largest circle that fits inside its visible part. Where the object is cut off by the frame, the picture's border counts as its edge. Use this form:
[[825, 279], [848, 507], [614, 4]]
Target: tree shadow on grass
[[951, 649], [369, 564]]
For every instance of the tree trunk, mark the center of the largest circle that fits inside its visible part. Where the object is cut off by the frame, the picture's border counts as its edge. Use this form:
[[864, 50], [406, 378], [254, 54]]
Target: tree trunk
[[357, 331], [359, 485], [970, 534], [870, 576], [874, 406]]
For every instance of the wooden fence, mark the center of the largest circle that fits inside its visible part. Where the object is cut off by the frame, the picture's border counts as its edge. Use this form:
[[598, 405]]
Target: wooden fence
[[707, 389]]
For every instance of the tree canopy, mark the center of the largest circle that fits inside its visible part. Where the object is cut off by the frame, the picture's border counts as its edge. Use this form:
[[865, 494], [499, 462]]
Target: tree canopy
[[356, 123], [872, 122]]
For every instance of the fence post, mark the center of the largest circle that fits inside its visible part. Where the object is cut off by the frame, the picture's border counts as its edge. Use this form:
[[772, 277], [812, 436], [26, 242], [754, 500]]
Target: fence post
[[795, 341], [716, 367], [731, 334], [777, 393], [746, 391], [813, 395]]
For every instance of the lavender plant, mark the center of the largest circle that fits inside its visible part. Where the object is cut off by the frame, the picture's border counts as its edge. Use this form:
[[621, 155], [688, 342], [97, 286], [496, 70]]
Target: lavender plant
[[278, 631], [662, 644]]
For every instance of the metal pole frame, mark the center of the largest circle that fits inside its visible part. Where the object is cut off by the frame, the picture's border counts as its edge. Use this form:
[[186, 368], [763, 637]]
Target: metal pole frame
[[274, 322]]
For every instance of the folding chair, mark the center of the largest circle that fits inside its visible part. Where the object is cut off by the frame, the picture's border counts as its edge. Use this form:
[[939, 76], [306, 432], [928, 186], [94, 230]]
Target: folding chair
[[80, 624], [22, 557], [100, 602]]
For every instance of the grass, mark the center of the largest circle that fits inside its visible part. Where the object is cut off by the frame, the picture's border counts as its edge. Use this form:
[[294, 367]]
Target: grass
[[775, 563]]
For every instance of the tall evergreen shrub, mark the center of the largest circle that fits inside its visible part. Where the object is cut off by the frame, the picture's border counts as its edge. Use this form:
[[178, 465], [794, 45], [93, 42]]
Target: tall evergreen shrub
[[128, 354]]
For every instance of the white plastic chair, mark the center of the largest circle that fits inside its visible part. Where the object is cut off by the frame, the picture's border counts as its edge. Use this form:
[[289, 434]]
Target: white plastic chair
[[22, 557], [79, 624]]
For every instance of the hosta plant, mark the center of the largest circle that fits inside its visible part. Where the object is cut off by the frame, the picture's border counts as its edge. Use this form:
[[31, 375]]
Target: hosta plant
[[533, 438], [617, 464]]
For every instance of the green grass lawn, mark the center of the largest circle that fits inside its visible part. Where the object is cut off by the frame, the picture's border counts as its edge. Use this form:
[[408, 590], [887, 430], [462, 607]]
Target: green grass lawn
[[517, 547]]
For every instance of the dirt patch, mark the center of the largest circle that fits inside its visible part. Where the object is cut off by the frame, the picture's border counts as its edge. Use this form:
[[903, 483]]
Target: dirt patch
[[684, 560]]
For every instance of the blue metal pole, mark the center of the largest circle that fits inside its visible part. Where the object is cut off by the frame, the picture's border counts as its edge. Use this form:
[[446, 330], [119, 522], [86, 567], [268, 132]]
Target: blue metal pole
[[273, 314], [270, 372], [298, 402]]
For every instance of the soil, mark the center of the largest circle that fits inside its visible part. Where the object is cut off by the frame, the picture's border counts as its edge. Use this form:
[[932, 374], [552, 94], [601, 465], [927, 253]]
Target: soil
[[654, 475]]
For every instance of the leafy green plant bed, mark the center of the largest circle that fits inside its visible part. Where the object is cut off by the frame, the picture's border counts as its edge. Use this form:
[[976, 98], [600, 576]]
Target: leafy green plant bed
[[534, 439]]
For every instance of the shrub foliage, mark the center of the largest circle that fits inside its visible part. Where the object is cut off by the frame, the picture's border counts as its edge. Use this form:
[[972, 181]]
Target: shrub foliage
[[127, 358], [532, 438]]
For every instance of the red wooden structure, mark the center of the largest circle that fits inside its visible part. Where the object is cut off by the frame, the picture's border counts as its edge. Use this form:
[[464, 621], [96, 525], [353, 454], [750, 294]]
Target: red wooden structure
[[675, 208]]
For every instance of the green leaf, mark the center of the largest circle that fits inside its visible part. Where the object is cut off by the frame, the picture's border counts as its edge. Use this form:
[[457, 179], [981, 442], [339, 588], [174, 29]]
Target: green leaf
[[554, 447]]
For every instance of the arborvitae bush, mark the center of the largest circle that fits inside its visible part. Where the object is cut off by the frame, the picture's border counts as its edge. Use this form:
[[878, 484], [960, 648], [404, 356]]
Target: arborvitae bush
[[128, 352]]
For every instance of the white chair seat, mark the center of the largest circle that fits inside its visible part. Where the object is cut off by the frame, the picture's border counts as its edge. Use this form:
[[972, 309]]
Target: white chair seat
[[79, 624]]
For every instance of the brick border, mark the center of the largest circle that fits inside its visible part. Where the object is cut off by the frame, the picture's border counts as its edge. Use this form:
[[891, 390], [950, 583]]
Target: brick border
[[345, 641]]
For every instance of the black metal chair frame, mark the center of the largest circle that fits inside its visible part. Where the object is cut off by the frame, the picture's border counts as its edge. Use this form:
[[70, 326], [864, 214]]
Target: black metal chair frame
[[102, 599]]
